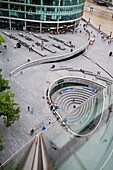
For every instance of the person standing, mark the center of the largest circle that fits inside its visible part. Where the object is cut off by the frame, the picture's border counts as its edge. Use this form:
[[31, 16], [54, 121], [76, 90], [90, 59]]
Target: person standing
[[32, 131], [110, 54], [28, 108]]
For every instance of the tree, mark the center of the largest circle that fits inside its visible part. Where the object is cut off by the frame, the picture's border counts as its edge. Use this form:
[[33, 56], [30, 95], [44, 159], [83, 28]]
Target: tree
[[3, 83], [8, 108], [1, 142], [1, 40]]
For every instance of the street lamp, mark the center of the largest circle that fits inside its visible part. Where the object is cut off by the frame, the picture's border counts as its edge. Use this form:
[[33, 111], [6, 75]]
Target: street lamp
[[89, 20], [110, 34], [99, 26]]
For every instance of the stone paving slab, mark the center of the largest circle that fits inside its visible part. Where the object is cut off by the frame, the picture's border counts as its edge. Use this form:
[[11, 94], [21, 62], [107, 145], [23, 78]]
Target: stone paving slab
[[30, 86]]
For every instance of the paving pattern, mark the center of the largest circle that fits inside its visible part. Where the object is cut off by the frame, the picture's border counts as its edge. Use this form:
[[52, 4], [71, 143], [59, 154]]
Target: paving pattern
[[71, 97], [30, 86]]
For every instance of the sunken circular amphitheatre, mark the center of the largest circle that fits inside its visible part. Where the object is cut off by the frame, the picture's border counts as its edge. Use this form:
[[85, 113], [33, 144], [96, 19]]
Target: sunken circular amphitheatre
[[79, 101]]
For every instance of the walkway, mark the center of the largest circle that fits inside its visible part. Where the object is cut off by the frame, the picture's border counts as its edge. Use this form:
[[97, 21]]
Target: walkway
[[99, 16], [31, 86]]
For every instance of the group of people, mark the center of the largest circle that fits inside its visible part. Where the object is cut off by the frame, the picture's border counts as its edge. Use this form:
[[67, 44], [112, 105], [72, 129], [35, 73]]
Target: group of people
[[64, 30], [53, 107]]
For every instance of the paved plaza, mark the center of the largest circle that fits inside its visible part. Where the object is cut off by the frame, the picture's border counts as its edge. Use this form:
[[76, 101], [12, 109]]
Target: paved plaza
[[100, 15], [31, 84]]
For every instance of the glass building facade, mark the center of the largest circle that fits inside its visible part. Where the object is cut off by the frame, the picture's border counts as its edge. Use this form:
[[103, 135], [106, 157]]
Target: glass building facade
[[40, 14]]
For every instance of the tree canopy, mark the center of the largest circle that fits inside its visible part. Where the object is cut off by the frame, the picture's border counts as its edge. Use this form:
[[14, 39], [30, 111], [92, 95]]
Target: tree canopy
[[1, 142], [9, 110], [1, 40], [3, 83]]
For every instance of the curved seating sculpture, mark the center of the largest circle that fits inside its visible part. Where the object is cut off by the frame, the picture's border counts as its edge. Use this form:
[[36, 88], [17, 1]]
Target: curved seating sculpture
[[53, 58]]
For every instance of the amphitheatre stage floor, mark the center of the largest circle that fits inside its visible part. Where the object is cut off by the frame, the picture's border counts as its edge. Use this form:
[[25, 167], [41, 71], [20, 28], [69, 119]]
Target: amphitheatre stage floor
[[30, 86]]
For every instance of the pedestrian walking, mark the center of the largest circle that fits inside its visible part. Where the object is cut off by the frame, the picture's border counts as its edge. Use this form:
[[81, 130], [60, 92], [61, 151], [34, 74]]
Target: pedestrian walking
[[109, 42], [71, 50], [32, 132], [110, 54], [28, 108], [51, 106], [53, 66], [98, 72], [5, 46]]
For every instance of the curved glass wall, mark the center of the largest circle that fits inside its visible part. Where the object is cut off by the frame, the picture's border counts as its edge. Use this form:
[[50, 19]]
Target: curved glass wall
[[43, 11], [49, 2]]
